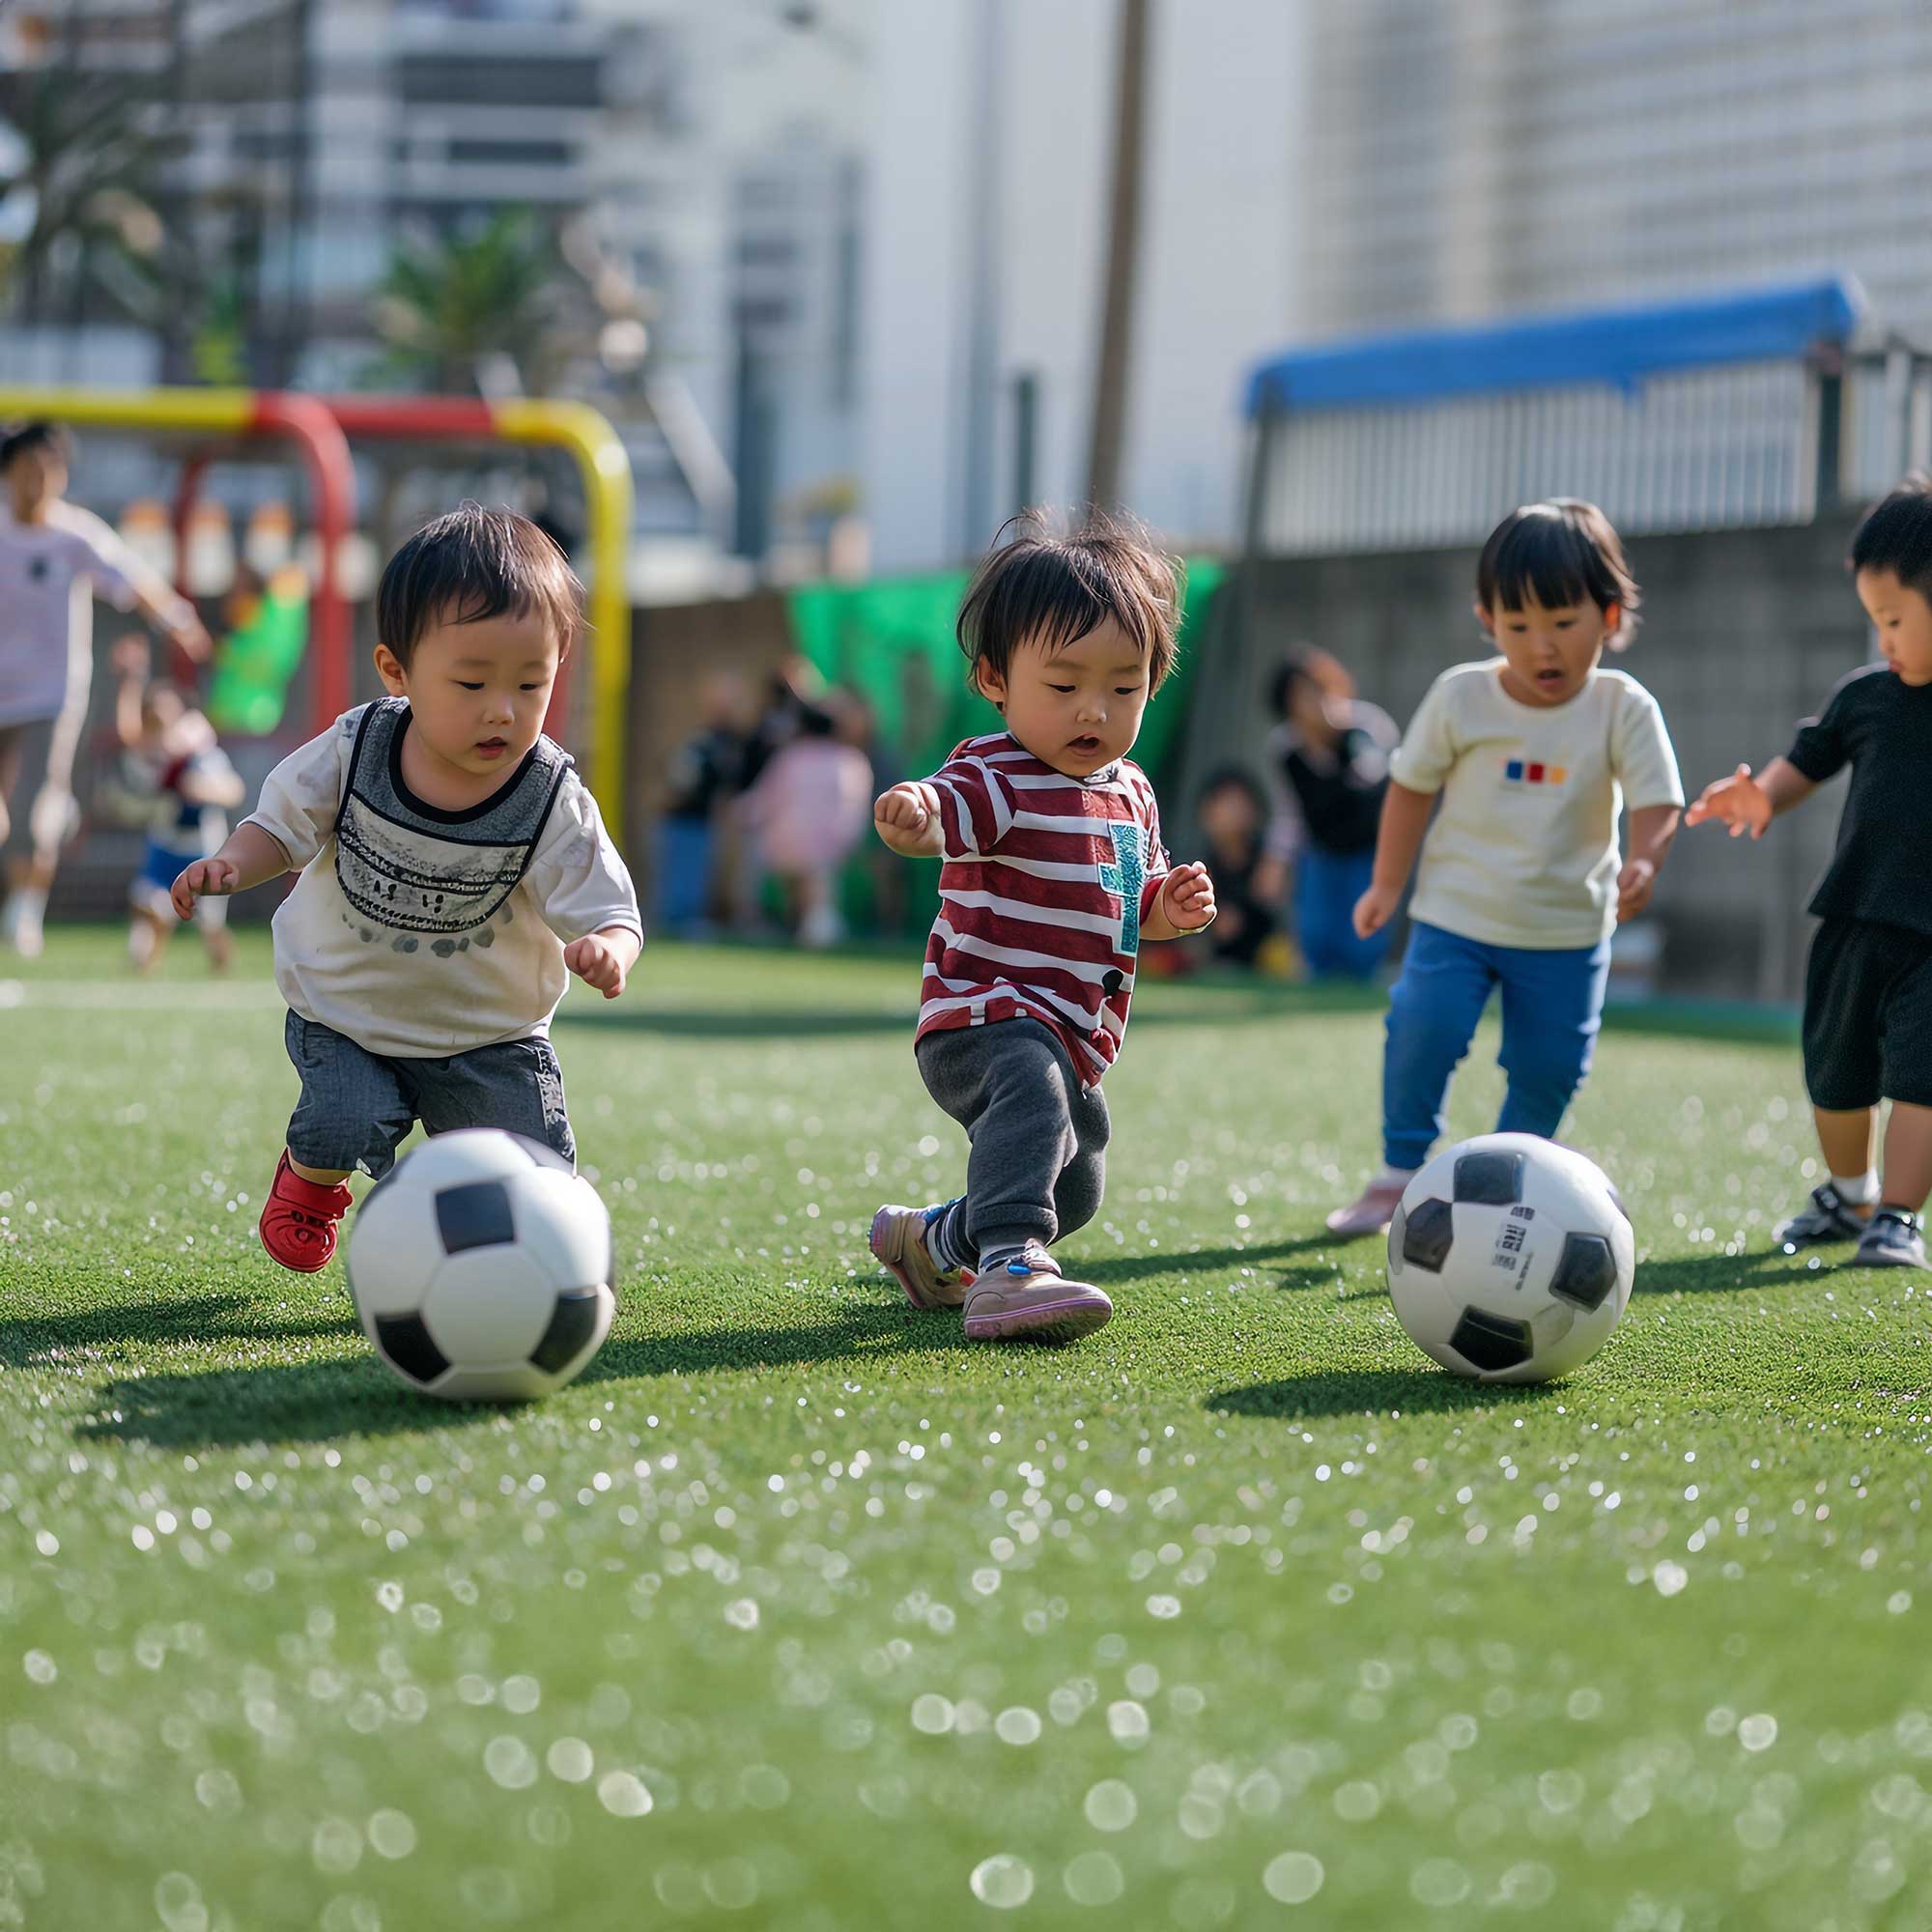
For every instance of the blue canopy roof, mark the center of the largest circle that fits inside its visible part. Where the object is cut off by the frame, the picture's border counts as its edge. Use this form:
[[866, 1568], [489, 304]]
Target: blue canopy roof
[[1616, 346]]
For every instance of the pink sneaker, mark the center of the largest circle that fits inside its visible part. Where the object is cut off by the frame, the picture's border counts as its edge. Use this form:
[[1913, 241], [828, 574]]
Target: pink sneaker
[[898, 1241], [1369, 1214]]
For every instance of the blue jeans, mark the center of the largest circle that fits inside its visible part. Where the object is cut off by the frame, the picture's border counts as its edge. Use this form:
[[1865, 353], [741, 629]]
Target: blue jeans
[[1326, 887], [683, 874], [1553, 1006]]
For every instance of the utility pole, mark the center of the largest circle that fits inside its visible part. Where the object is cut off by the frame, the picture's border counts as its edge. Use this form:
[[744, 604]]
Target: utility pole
[[1111, 367]]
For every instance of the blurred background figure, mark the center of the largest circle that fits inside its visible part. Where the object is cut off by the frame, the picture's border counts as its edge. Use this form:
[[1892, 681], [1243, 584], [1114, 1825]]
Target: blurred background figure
[[810, 807], [175, 779], [1328, 759], [1234, 816], [54, 559], [707, 772], [792, 700]]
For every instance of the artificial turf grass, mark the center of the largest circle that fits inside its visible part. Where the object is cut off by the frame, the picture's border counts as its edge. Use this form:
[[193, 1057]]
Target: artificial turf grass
[[1335, 1655]]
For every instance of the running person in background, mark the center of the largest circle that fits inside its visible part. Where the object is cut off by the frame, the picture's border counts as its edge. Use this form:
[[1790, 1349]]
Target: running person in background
[[54, 559], [1328, 768]]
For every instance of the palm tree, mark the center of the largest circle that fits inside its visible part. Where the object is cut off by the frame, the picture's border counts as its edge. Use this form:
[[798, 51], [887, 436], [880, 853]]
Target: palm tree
[[86, 155], [446, 303]]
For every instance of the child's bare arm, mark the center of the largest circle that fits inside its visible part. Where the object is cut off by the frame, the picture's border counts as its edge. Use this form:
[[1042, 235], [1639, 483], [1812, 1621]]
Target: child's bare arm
[[1748, 804], [247, 859], [218, 788], [604, 958], [1652, 828], [907, 818], [1404, 819]]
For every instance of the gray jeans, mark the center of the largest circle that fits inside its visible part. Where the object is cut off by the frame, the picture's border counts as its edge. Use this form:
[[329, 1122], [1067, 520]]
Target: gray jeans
[[1039, 1161], [357, 1106]]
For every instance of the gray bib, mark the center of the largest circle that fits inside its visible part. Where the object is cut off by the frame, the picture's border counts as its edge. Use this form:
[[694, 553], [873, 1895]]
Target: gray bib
[[409, 869]]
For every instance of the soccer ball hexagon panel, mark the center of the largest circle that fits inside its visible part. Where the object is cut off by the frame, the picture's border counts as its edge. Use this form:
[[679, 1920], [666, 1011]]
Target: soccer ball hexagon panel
[[481, 1268], [1509, 1259]]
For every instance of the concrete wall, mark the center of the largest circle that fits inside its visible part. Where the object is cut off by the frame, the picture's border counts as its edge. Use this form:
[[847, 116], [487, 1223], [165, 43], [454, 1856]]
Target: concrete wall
[[1745, 632]]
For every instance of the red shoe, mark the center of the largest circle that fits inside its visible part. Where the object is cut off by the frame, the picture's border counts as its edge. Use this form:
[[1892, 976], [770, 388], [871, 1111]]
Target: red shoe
[[299, 1219]]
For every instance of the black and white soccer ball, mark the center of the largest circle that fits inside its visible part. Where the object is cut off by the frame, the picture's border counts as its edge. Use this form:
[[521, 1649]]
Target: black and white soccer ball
[[1509, 1259], [480, 1265]]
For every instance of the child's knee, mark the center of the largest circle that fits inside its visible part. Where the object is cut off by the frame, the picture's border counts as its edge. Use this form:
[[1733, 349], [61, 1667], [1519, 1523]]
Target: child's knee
[[1078, 1193]]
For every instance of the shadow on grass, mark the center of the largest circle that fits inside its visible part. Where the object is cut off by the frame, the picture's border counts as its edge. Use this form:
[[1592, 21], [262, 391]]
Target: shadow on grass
[[1366, 1392], [231, 1408], [1140, 1268], [32, 1342], [861, 1333], [1721, 1273]]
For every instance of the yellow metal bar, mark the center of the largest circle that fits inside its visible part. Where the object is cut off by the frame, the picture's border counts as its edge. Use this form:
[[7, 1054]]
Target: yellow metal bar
[[135, 409], [607, 492]]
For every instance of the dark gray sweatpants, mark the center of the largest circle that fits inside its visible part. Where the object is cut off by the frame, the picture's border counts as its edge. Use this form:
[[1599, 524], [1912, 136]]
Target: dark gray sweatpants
[[1039, 1161]]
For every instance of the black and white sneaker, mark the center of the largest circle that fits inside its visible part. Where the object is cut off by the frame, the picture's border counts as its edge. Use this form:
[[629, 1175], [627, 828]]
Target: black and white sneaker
[[1893, 1240], [1829, 1218]]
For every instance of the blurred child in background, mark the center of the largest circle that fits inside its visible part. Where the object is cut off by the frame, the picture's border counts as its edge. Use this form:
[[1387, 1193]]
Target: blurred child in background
[[706, 772], [1328, 762], [807, 812], [180, 782], [1233, 818]]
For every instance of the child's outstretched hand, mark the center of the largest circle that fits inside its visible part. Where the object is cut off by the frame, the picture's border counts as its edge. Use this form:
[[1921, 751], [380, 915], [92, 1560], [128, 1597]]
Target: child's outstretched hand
[[907, 818], [598, 963], [206, 879], [1187, 898], [1738, 801], [1375, 909]]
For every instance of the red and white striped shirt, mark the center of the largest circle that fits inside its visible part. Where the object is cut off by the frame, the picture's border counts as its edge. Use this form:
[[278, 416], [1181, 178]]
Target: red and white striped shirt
[[1046, 883]]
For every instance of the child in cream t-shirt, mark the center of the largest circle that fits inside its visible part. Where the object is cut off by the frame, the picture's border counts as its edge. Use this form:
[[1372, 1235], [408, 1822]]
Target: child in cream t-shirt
[[1535, 755]]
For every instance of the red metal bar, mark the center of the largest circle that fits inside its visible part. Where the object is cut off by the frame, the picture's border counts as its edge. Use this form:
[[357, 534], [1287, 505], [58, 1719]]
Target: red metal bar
[[314, 425]]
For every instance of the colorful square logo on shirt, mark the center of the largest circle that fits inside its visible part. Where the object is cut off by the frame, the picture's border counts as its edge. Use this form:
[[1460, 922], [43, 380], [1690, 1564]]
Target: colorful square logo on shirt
[[1520, 770]]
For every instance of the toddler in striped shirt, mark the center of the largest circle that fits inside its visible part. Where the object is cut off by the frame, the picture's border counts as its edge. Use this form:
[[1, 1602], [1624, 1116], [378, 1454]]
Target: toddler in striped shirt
[[1053, 873]]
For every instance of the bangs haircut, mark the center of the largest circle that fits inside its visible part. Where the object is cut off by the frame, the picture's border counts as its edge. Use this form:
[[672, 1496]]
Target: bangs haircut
[[1897, 536], [1556, 553], [470, 566], [1047, 591]]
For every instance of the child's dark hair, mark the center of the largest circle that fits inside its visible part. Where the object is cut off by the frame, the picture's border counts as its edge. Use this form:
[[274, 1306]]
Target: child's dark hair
[[1558, 552], [1897, 536], [470, 566], [1235, 778], [1047, 591], [30, 437]]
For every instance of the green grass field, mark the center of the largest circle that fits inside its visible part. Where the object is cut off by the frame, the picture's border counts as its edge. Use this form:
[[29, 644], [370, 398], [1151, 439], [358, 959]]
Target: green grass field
[[796, 1611]]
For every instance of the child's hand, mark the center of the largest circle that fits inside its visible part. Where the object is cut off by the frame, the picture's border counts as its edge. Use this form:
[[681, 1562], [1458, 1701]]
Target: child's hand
[[1738, 801], [1634, 885], [130, 658], [907, 818], [597, 963], [1375, 909], [206, 879], [1187, 898]]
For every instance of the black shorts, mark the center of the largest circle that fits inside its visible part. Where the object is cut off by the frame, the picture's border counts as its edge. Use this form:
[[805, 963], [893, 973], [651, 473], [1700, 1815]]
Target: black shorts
[[1868, 1015]]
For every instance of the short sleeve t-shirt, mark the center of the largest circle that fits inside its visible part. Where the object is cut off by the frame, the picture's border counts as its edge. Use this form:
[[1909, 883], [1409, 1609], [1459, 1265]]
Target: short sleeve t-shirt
[[50, 575], [1523, 849], [419, 933], [1882, 727]]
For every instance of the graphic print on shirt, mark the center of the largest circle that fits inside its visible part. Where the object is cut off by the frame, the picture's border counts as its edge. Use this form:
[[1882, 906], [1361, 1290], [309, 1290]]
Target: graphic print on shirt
[[1527, 771], [413, 878], [1126, 875]]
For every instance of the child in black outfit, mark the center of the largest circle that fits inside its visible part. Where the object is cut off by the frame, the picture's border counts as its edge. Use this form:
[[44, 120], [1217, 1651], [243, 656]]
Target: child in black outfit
[[1868, 987]]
